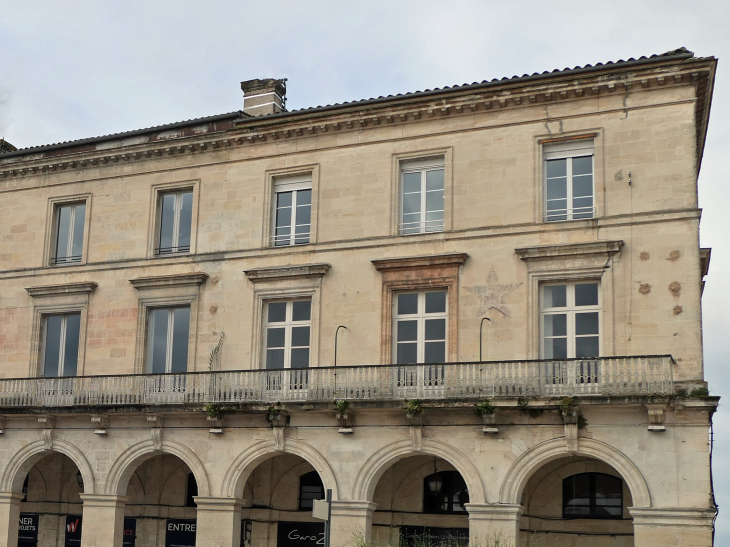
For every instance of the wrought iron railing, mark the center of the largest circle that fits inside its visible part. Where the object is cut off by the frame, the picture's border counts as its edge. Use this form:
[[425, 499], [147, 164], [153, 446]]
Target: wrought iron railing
[[643, 375]]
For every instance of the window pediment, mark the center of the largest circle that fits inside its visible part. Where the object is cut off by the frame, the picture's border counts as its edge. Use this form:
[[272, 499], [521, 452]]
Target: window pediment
[[175, 280], [570, 250], [83, 287], [288, 272], [420, 262]]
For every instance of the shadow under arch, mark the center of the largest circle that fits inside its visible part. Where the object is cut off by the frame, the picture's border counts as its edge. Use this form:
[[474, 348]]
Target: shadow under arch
[[239, 471], [371, 471], [547, 451], [128, 462], [24, 459]]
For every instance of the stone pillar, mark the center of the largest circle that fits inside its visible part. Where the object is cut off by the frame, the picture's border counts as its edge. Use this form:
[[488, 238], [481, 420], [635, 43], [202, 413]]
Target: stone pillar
[[219, 522], [9, 518], [489, 523], [672, 526], [351, 520], [102, 524]]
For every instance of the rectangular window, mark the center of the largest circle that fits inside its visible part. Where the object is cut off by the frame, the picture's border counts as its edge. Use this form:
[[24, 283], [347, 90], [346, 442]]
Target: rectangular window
[[568, 174], [422, 196], [419, 327], [570, 320], [60, 344], [175, 212], [168, 333], [292, 211], [68, 233], [287, 326]]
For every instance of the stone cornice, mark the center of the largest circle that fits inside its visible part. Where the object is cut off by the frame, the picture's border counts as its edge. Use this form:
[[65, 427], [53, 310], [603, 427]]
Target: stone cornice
[[540, 252], [416, 262], [672, 516], [83, 287], [399, 110], [287, 272], [175, 280]]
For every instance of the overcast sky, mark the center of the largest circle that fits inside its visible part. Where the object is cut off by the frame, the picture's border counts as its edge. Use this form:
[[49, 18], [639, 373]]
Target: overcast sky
[[74, 69]]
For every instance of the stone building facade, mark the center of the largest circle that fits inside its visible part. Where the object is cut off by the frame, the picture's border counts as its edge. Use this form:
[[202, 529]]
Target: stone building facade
[[517, 268]]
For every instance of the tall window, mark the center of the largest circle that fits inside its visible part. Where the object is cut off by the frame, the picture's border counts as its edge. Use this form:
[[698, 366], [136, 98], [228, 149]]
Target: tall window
[[592, 496], [422, 196], [292, 211], [310, 489], [68, 233], [570, 320], [568, 173], [419, 327], [167, 339], [175, 216], [60, 344], [287, 333], [445, 492]]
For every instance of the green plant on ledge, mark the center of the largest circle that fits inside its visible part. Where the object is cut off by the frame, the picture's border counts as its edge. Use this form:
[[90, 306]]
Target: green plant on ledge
[[582, 422], [341, 405], [699, 392], [567, 405], [485, 407], [413, 407], [272, 413]]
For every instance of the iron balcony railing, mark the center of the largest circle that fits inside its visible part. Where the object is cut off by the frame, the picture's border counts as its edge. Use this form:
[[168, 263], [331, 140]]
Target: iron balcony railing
[[642, 375]]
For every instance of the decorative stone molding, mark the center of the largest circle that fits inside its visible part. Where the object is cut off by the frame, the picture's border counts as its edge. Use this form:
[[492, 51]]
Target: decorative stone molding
[[671, 516], [49, 423], [419, 262], [490, 423], [101, 421], [656, 417], [156, 421], [345, 419], [415, 430], [216, 424], [82, 287], [175, 280], [307, 271], [570, 423], [413, 108], [279, 420], [570, 250]]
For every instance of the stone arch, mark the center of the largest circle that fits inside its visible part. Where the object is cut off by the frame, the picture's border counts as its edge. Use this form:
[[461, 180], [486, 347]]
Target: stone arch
[[238, 473], [523, 468], [127, 462], [371, 471], [24, 459]]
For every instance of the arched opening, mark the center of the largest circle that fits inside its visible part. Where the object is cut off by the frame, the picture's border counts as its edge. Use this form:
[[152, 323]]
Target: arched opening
[[50, 512], [421, 499], [278, 499], [160, 508], [576, 501]]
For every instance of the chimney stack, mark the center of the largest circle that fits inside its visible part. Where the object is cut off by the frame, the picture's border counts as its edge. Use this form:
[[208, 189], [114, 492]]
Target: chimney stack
[[264, 97]]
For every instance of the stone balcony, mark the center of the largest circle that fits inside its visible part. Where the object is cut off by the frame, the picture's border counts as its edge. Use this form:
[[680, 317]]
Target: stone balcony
[[605, 376]]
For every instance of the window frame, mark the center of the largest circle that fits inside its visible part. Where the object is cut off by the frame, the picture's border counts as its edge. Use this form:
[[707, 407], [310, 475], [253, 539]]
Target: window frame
[[280, 175], [420, 316], [62, 343], [177, 213], [412, 157], [49, 246], [570, 311], [155, 217], [288, 324], [295, 184], [170, 347], [592, 498], [421, 166]]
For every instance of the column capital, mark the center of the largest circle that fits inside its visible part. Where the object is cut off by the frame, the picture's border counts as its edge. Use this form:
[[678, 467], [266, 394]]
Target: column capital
[[11, 497], [218, 504], [103, 500], [671, 516], [497, 511], [353, 508]]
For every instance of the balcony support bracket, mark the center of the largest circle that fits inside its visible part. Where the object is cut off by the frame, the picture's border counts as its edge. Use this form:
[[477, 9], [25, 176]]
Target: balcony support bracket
[[570, 421], [49, 424], [656, 417], [101, 421], [156, 422]]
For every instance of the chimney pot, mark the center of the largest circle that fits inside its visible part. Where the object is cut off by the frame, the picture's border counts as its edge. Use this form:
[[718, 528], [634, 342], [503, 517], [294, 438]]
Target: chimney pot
[[264, 97]]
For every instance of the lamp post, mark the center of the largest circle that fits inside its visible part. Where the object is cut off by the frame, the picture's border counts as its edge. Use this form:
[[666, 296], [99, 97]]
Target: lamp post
[[481, 325]]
